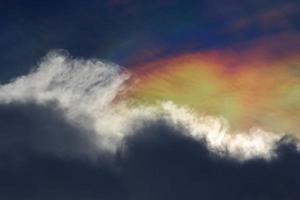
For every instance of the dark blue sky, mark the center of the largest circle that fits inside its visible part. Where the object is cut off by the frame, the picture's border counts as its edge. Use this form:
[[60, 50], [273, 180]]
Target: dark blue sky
[[122, 30]]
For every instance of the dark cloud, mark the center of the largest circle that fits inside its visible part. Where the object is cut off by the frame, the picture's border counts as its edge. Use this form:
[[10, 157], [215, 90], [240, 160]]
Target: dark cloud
[[29, 127], [51, 178], [157, 162], [44, 156]]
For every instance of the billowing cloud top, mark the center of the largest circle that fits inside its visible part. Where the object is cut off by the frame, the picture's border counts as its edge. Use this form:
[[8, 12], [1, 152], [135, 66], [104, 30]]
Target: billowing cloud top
[[71, 127], [93, 95]]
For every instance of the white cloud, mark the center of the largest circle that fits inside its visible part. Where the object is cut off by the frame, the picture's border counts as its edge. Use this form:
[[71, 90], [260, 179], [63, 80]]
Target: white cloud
[[86, 89]]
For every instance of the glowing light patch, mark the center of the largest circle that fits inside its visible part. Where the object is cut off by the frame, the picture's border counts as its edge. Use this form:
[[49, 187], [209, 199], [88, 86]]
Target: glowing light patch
[[248, 91]]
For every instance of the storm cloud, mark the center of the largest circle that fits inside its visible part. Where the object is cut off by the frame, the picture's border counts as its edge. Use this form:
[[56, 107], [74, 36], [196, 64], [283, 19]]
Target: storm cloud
[[158, 162], [32, 128]]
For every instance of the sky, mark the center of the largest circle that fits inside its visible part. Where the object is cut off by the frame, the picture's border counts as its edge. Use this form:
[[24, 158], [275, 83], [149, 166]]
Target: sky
[[150, 100]]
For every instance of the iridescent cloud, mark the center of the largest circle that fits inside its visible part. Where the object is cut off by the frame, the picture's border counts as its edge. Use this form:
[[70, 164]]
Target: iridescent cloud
[[258, 86]]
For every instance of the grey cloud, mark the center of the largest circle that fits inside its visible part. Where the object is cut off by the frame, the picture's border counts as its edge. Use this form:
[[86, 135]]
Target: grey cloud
[[160, 163], [157, 162], [42, 129]]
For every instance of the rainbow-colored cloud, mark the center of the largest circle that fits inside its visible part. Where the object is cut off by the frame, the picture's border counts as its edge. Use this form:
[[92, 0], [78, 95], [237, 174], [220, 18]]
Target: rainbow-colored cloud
[[256, 87]]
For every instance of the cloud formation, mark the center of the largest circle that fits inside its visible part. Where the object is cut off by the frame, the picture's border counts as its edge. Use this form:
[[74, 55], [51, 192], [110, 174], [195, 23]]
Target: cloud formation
[[158, 162], [34, 128], [161, 163], [68, 129], [90, 95]]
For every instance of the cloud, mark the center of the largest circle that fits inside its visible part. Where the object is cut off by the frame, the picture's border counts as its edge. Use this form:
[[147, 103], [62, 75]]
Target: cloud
[[161, 163], [83, 89], [69, 112], [158, 162], [91, 95], [42, 129], [49, 177]]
